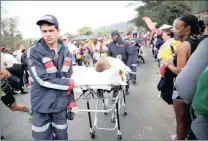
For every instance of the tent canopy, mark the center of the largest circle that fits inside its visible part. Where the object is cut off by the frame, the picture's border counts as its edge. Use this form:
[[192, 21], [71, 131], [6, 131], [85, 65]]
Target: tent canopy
[[80, 37], [165, 26]]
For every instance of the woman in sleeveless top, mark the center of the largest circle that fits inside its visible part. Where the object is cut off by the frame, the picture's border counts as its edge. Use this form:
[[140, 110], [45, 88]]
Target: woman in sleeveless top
[[188, 28]]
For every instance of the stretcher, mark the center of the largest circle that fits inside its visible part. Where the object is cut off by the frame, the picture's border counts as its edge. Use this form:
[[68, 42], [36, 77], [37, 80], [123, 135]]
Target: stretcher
[[99, 88]]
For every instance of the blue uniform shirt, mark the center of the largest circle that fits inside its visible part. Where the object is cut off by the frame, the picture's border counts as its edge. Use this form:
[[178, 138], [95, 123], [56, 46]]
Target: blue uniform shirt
[[120, 48]]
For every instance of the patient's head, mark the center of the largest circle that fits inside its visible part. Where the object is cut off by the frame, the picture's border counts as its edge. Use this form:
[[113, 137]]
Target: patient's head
[[102, 64]]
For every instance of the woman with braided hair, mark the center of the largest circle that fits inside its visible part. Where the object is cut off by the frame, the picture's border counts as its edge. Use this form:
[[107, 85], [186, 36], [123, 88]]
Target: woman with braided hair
[[189, 28]]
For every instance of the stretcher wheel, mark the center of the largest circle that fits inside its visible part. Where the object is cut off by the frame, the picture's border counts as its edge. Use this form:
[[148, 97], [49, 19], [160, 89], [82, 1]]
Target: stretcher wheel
[[92, 134], [105, 112], [119, 137], [113, 120]]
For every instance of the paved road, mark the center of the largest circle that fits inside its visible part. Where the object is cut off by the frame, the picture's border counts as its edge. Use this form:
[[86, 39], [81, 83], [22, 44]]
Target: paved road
[[148, 117]]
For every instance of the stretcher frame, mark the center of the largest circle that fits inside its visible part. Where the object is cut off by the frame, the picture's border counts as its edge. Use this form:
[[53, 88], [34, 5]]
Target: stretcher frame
[[114, 109]]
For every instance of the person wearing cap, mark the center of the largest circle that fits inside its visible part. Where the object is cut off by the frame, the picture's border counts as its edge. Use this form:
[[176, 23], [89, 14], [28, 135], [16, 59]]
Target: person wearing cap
[[49, 63], [132, 58], [118, 47], [129, 36]]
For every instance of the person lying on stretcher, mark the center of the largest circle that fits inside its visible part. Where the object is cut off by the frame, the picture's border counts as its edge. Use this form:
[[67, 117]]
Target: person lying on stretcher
[[83, 75], [104, 64], [116, 63]]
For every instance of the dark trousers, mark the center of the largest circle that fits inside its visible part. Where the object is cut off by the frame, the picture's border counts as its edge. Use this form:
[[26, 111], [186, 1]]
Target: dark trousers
[[79, 62], [17, 71]]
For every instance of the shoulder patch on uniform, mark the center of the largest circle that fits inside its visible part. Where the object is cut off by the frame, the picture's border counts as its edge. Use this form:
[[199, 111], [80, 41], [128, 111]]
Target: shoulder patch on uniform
[[121, 45]]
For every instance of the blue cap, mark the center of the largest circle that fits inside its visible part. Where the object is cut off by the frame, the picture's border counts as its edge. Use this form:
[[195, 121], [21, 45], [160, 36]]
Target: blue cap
[[115, 32], [50, 19]]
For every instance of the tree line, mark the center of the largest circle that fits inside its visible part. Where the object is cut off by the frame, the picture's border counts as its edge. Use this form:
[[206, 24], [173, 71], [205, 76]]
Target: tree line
[[160, 11]]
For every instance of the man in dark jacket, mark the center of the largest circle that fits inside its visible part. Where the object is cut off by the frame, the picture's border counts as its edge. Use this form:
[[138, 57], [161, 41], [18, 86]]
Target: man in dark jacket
[[49, 64], [119, 47]]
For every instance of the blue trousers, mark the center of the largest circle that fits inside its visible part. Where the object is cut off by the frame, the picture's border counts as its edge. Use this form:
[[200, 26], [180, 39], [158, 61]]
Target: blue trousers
[[45, 125]]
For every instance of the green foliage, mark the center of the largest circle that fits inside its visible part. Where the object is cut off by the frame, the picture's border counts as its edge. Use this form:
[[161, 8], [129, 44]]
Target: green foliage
[[10, 35], [102, 33], [69, 34], [200, 6], [86, 30], [162, 12]]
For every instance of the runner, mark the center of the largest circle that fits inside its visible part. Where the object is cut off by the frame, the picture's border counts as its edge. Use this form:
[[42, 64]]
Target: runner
[[7, 94]]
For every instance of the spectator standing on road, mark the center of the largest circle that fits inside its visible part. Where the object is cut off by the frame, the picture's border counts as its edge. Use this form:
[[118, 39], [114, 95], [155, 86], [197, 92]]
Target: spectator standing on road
[[72, 48], [189, 29], [96, 51], [18, 53]]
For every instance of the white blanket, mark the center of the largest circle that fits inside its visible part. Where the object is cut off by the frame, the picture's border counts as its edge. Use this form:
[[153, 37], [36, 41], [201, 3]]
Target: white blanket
[[89, 78]]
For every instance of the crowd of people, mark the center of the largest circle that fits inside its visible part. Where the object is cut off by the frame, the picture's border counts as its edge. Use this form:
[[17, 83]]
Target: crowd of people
[[181, 53], [91, 50]]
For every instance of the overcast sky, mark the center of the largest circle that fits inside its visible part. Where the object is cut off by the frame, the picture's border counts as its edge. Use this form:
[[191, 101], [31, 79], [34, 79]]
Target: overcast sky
[[70, 14]]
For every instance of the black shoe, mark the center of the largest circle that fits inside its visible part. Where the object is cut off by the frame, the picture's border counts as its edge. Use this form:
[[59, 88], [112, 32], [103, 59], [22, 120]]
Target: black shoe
[[143, 62], [54, 138], [16, 92], [2, 138], [134, 83]]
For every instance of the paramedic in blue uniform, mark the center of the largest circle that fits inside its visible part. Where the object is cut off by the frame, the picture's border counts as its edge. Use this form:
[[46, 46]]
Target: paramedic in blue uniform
[[50, 67], [139, 50], [118, 47], [132, 59], [133, 56]]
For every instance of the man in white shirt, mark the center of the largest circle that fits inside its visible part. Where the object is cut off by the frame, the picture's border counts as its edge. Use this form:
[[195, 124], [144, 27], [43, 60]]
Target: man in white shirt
[[19, 53], [72, 48], [14, 67], [8, 60], [66, 41]]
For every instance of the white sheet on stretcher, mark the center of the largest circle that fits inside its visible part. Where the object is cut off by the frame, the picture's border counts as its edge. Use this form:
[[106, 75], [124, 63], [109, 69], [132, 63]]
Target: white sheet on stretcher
[[89, 78]]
